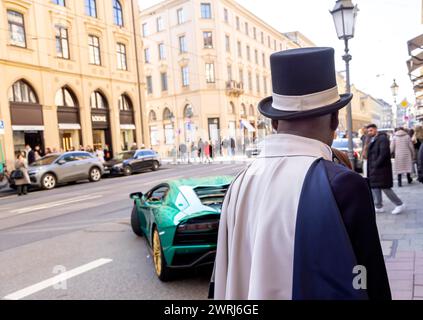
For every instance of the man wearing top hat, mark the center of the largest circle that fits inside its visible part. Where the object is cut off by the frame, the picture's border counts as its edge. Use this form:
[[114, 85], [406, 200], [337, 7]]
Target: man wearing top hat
[[295, 224]]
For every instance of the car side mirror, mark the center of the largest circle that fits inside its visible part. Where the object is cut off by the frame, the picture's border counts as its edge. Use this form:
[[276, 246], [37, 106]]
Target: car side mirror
[[136, 195], [61, 161]]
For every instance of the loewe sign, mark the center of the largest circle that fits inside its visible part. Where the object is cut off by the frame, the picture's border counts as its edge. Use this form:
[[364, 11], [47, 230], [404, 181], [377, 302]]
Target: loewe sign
[[95, 118]]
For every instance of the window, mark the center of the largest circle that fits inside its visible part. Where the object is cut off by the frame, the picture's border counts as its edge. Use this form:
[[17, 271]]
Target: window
[[250, 81], [154, 135], [228, 43], [149, 82], [152, 116], [210, 78], [185, 76], [124, 103], [238, 25], [263, 57], [91, 8], [167, 115], [268, 41], [241, 75], [98, 101], [226, 15], [229, 69], [147, 56], [16, 28], [169, 134], [163, 78], [274, 45], [59, 2], [162, 53], [159, 24], [251, 111], [117, 13], [248, 53], [180, 15], [265, 84], [62, 42], [22, 92], [64, 98], [206, 10], [182, 44], [144, 30], [258, 83], [247, 29], [255, 33], [208, 39], [256, 56], [262, 37], [94, 50], [121, 56], [239, 49]]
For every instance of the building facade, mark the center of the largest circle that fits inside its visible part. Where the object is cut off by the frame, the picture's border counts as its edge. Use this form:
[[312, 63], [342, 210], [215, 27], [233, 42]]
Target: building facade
[[387, 116], [70, 75], [206, 68]]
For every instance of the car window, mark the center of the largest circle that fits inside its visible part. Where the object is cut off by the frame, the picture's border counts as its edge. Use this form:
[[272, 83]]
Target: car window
[[69, 158], [140, 154], [47, 160], [82, 156], [150, 153], [158, 194]]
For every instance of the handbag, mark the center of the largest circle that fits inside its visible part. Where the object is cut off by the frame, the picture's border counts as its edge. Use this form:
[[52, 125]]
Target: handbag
[[17, 174]]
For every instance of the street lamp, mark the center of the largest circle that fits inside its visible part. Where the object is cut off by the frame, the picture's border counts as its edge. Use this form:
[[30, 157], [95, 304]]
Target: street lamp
[[344, 16], [394, 89]]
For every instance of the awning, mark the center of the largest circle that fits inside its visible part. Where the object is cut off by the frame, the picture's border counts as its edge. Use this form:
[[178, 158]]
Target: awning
[[69, 126], [415, 62], [248, 125], [28, 128], [127, 127], [415, 43]]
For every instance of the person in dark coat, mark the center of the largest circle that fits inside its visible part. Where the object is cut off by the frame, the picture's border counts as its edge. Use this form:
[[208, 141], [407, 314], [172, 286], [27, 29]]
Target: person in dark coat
[[420, 164], [30, 155], [379, 170]]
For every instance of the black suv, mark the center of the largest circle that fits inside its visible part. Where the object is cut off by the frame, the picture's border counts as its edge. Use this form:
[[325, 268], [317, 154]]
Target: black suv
[[129, 162]]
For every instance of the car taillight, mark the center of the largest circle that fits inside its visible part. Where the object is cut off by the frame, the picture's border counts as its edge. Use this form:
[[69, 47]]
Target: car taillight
[[200, 226]]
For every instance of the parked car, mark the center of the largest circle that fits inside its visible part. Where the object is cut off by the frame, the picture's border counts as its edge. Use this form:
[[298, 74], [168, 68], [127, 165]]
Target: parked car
[[54, 169], [128, 162], [180, 220], [342, 145]]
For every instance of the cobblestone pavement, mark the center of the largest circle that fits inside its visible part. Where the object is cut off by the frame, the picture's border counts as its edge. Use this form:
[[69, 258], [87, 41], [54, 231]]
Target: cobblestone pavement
[[402, 243]]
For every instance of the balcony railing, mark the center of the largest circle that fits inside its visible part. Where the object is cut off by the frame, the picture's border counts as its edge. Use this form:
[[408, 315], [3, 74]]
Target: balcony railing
[[234, 88]]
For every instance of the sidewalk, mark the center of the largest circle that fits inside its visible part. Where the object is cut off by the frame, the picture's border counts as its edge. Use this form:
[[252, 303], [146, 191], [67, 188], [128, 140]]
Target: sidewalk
[[402, 243]]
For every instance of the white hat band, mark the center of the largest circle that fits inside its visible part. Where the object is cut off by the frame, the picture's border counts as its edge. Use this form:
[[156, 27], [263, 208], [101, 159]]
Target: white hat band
[[306, 102]]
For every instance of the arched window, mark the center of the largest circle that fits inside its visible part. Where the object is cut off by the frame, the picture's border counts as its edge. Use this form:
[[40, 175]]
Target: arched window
[[152, 116], [65, 98], [231, 108], [124, 103], [188, 112], [167, 115], [251, 110], [22, 92], [98, 101], [117, 13], [243, 110]]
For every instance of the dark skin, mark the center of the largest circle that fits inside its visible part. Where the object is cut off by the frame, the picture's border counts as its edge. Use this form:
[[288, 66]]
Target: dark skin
[[322, 128]]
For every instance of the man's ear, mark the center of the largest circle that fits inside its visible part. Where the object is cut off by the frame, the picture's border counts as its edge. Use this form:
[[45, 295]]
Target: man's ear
[[275, 125], [334, 121]]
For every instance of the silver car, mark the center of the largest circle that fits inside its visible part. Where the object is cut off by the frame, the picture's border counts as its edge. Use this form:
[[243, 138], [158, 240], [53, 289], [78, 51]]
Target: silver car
[[67, 167]]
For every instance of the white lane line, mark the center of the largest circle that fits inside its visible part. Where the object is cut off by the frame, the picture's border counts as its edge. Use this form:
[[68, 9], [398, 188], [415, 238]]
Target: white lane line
[[8, 197], [57, 279], [49, 205]]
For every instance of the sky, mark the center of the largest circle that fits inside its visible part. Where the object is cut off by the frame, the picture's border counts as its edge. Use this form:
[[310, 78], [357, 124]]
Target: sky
[[379, 47]]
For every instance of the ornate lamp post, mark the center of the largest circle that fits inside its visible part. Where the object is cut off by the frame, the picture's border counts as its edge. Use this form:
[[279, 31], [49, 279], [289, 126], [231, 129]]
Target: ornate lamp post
[[344, 16], [394, 89]]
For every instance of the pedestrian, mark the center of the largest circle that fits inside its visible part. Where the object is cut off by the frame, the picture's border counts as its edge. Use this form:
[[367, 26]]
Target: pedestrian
[[183, 149], [379, 170], [364, 146], [20, 175], [29, 154], [232, 146], [134, 147], [48, 151], [201, 149], [38, 153], [206, 152], [294, 224], [99, 153], [107, 155], [212, 150], [403, 150], [194, 151], [225, 145]]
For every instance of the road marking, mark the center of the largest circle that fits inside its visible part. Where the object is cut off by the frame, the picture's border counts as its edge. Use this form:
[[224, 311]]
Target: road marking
[[57, 279], [49, 205]]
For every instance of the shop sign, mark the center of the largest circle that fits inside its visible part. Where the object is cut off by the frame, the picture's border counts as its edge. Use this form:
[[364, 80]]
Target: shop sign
[[1, 127], [97, 118]]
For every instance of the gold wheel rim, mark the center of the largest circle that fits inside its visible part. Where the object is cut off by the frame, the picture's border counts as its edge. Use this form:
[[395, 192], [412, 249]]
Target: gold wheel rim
[[157, 252]]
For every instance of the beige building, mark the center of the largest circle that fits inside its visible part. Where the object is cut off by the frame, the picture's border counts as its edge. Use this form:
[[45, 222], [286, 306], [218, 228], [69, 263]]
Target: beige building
[[206, 68], [70, 75]]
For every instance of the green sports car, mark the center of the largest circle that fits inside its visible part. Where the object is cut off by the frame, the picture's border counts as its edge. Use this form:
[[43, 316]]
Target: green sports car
[[180, 220]]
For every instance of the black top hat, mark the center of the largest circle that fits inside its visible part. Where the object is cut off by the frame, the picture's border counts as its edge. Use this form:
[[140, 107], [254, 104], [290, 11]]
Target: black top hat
[[304, 85]]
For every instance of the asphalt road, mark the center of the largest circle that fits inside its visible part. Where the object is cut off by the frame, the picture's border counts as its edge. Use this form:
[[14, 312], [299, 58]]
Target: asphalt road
[[82, 234]]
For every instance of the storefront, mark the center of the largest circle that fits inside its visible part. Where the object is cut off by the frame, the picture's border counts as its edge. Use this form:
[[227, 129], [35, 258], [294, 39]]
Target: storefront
[[68, 120], [127, 123], [26, 117], [214, 129], [100, 120]]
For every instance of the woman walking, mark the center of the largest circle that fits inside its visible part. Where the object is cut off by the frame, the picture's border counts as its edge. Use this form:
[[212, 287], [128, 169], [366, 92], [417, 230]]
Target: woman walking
[[21, 168], [403, 149]]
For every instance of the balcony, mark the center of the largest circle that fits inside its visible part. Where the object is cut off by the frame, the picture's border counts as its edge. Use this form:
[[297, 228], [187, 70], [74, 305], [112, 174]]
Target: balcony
[[234, 88]]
